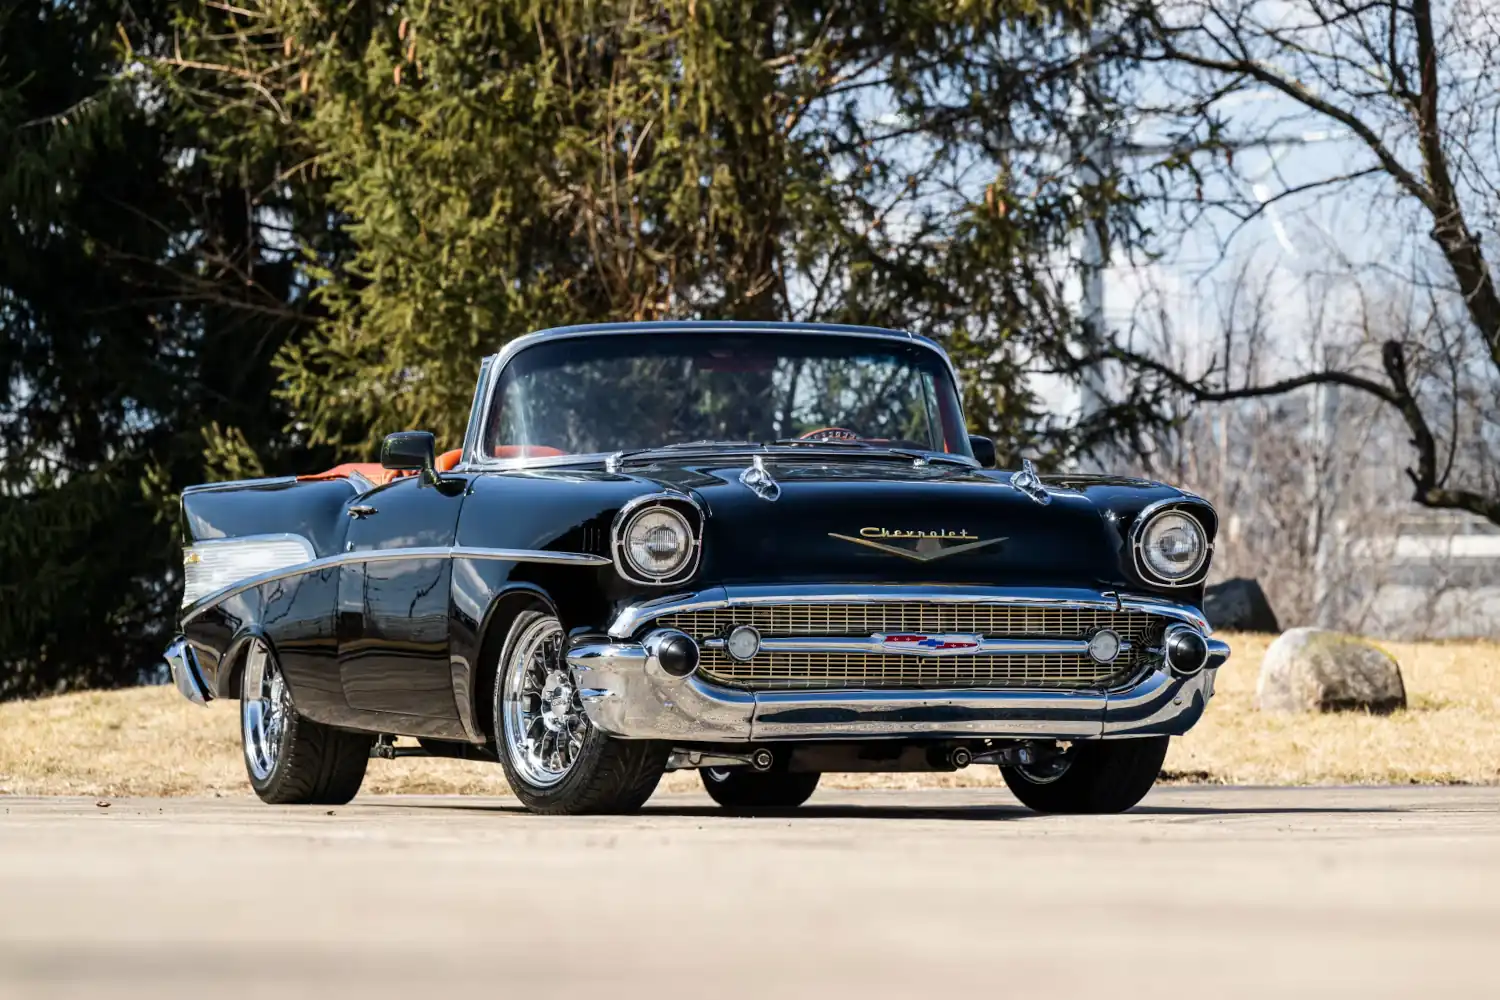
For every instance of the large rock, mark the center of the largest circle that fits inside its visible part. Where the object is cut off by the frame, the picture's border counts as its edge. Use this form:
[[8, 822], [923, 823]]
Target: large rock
[[1314, 670], [1240, 606]]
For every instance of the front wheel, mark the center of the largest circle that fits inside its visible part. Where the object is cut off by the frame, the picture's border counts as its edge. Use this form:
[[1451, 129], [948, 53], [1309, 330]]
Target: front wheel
[[1095, 776], [555, 760], [737, 788], [292, 760]]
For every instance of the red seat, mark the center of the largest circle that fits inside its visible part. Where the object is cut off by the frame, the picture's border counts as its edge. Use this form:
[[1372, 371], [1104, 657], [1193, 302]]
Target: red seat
[[526, 451], [379, 476], [371, 471]]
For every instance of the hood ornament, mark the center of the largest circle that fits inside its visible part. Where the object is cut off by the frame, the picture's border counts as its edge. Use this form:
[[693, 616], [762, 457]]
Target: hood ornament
[[1029, 483], [761, 482], [927, 545]]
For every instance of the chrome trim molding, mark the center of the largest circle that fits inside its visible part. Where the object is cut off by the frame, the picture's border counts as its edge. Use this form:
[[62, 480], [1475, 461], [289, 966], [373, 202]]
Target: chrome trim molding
[[476, 415], [186, 673], [1200, 572], [390, 555], [240, 484], [641, 505], [631, 618]]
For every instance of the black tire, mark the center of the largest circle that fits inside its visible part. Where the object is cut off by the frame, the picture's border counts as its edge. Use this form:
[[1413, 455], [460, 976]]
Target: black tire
[[606, 776], [740, 788], [1102, 776], [314, 764]]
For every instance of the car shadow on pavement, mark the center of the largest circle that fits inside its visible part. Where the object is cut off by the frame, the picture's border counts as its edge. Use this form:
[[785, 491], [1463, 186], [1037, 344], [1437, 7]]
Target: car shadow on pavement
[[1262, 810], [882, 811]]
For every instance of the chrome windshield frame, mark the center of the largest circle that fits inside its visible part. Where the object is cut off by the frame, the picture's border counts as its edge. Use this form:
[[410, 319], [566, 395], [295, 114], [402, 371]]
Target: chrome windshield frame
[[493, 366]]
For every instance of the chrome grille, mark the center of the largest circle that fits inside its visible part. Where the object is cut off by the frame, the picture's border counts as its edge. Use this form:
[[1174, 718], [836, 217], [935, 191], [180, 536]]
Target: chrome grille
[[913, 616], [831, 670]]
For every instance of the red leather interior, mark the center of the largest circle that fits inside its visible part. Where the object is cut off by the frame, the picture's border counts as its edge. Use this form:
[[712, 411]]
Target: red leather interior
[[526, 451], [444, 463], [370, 470]]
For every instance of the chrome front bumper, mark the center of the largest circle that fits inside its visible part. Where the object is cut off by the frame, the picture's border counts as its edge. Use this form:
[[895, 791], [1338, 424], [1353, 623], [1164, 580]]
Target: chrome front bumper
[[626, 693], [186, 673]]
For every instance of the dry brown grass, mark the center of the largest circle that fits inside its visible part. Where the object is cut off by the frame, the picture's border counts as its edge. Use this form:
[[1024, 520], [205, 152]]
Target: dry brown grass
[[149, 741]]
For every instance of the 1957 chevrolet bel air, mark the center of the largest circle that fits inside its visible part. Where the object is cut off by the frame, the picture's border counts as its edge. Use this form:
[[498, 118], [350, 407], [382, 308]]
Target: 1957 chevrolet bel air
[[763, 551]]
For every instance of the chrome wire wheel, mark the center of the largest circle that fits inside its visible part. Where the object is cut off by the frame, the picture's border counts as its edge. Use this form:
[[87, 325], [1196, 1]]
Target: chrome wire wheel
[[265, 708], [543, 722]]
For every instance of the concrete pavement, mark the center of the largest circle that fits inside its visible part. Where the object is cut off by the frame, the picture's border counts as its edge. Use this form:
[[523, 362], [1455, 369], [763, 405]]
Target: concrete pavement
[[1208, 892]]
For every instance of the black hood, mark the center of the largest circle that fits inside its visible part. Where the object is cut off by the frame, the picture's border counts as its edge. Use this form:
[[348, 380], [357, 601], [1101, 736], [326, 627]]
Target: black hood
[[839, 519]]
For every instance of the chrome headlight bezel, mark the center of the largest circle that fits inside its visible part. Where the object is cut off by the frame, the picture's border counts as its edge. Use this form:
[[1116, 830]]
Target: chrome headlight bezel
[[674, 511], [1152, 523]]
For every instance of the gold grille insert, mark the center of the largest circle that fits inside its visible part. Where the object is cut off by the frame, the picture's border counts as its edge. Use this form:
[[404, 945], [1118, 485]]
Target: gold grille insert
[[786, 670], [778, 671]]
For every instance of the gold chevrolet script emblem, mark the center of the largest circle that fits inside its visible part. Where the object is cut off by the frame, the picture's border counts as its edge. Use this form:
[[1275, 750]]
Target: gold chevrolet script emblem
[[923, 546]]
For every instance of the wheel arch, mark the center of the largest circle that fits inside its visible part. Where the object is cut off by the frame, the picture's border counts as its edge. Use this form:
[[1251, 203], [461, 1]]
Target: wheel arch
[[232, 663], [502, 614]]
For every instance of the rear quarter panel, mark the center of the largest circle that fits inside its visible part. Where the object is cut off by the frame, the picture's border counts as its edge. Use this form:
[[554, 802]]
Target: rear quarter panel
[[296, 614]]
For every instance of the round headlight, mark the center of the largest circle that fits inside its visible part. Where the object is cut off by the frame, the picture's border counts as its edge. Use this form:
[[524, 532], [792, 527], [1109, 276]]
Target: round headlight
[[657, 543], [1173, 546]]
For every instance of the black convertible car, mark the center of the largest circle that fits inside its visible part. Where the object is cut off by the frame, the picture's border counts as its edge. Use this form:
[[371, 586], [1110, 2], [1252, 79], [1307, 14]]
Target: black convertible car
[[763, 551]]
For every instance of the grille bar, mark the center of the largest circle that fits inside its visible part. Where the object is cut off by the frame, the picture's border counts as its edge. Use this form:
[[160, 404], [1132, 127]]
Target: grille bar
[[1005, 646], [785, 671]]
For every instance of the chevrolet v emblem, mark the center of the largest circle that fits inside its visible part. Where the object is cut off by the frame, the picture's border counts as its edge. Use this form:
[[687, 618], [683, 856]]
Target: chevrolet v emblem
[[926, 545]]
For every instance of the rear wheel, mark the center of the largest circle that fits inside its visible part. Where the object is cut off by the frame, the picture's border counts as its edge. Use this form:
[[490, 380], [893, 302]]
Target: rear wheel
[[292, 760], [1095, 776], [554, 759], [740, 788]]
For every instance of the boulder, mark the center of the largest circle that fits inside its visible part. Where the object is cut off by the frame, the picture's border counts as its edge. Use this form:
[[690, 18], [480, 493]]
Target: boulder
[[1315, 670], [1240, 606]]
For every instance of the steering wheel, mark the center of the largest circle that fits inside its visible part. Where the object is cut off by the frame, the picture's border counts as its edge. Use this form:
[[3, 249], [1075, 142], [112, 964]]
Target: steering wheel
[[829, 434]]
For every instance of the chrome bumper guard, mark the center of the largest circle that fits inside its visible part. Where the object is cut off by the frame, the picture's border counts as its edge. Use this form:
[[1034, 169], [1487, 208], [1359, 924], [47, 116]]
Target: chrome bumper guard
[[186, 674], [626, 693]]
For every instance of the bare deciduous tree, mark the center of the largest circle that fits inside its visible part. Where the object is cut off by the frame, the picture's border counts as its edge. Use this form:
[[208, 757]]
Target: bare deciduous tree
[[1409, 94]]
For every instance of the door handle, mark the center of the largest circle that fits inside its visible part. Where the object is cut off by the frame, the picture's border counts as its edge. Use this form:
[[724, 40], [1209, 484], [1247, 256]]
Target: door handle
[[360, 511]]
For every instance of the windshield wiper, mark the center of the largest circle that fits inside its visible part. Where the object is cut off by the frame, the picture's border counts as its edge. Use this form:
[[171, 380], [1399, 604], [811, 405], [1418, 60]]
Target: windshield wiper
[[613, 461], [915, 454], [811, 443]]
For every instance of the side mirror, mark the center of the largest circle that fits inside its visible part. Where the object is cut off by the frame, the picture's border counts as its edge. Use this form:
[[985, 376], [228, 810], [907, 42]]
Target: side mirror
[[984, 450], [410, 451]]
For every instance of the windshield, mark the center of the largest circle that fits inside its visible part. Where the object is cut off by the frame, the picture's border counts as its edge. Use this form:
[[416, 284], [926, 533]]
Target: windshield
[[617, 392]]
